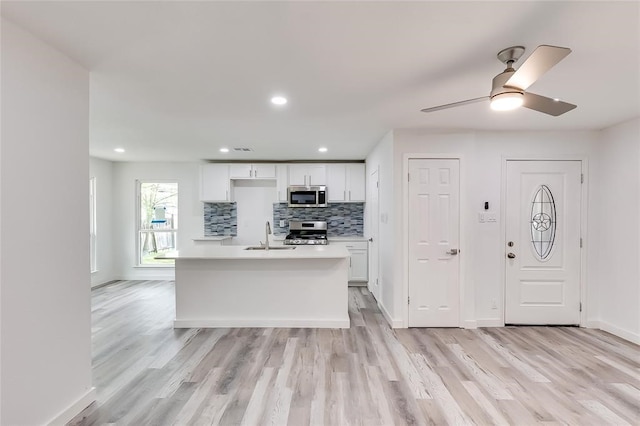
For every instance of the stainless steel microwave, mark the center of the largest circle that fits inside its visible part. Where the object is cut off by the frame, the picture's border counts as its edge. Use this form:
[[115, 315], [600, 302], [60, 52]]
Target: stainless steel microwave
[[307, 196]]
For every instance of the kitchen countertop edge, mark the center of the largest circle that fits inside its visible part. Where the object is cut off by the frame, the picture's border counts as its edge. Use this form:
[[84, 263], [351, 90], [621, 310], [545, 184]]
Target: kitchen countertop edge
[[239, 253]]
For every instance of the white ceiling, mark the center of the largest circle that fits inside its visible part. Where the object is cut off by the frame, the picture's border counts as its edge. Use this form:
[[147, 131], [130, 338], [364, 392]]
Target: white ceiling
[[178, 80]]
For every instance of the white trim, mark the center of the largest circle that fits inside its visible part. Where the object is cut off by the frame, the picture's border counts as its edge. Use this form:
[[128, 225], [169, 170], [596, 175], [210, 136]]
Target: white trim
[[470, 324], [74, 409], [490, 322], [405, 229], [617, 331], [593, 324], [393, 323], [584, 167], [270, 323]]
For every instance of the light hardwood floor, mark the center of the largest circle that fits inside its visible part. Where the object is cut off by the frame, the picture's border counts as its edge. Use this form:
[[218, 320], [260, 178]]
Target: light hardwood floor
[[147, 373]]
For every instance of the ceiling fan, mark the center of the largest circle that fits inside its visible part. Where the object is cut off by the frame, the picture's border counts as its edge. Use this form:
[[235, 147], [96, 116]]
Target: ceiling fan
[[508, 90]]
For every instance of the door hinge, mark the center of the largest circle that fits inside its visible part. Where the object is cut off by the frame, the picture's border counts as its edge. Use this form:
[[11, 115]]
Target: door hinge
[[408, 300], [580, 306], [581, 177], [580, 242], [408, 177], [377, 184]]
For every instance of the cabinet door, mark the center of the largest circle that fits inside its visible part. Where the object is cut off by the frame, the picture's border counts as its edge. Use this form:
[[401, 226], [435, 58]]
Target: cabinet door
[[282, 182], [359, 270], [317, 174], [297, 174], [336, 182], [355, 178], [264, 171], [214, 182], [240, 171]]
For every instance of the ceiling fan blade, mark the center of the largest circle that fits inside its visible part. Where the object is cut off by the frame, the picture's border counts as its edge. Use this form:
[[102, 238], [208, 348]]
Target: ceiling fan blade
[[539, 62], [455, 104], [546, 105]]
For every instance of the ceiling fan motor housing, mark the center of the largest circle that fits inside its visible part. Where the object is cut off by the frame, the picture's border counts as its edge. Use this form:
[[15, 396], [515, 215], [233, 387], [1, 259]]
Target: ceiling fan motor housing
[[498, 87]]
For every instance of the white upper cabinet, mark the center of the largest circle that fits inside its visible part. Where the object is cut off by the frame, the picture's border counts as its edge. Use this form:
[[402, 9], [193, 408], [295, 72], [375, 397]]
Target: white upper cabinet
[[252, 171], [307, 174], [282, 182], [214, 182], [336, 182], [346, 182]]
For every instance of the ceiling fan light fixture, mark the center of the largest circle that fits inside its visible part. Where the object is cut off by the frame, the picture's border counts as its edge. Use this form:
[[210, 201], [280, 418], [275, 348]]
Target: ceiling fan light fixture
[[507, 101]]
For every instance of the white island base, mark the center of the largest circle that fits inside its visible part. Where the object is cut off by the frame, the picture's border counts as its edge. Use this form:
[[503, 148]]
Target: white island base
[[228, 287]]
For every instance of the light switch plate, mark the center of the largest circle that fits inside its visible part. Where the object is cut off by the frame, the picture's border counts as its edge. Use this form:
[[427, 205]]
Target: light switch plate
[[282, 223]]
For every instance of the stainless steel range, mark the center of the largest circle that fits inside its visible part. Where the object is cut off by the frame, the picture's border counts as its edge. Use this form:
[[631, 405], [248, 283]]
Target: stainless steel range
[[306, 232]]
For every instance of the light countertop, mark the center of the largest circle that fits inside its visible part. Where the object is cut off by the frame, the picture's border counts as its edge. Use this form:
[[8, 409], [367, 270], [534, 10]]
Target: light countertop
[[239, 252], [214, 238], [348, 238]]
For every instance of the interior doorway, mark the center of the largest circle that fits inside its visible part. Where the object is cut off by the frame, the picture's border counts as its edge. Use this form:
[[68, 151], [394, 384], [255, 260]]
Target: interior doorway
[[374, 220], [433, 239]]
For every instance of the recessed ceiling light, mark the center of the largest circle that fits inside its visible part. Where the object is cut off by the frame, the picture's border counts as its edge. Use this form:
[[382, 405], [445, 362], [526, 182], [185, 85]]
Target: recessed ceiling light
[[278, 100], [224, 150], [322, 149], [119, 150], [556, 99]]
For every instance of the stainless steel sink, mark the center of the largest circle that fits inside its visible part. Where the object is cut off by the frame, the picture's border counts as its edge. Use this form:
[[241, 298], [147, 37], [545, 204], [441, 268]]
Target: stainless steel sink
[[270, 248]]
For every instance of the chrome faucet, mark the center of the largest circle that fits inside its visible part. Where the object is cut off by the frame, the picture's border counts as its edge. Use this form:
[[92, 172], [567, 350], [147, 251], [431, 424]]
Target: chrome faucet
[[267, 232]]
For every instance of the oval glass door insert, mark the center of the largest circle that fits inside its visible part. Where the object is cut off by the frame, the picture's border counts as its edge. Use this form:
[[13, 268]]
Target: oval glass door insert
[[543, 222]]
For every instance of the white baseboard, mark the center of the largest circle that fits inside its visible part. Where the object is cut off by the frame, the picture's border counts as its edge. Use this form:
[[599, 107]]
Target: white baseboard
[[592, 324], [74, 409], [393, 323], [490, 322], [470, 324], [271, 323], [620, 332]]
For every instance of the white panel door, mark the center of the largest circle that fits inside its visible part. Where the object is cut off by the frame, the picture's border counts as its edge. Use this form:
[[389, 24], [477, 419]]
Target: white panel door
[[374, 220], [434, 267], [542, 252]]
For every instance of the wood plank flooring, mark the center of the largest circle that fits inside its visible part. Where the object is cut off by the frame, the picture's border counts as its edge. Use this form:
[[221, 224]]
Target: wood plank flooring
[[147, 373]]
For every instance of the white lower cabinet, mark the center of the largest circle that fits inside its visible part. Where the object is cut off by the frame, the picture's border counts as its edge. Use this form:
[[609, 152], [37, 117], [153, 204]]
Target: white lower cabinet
[[358, 260]]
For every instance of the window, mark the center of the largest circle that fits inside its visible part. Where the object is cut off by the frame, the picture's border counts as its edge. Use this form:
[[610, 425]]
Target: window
[[92, 225], [543, 222], [157, 221]]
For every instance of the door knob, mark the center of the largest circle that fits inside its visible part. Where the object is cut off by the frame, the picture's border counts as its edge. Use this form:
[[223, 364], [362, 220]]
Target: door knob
[[511, 255], [452, 252]]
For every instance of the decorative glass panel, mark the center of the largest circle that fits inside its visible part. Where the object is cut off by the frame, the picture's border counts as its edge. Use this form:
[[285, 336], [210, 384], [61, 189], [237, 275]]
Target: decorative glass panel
[[543, 222]]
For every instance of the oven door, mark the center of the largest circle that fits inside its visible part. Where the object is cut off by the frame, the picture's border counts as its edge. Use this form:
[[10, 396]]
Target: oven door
[[303, 197]]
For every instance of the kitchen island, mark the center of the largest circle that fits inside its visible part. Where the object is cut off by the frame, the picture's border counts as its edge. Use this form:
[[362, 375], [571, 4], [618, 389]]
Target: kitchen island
[[229, 286]]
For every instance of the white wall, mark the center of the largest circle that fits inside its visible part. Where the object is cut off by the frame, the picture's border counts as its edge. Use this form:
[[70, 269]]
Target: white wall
[[616, 205], [102, 171], [255, 200], [44, 273], [482, 156], [382, 157], [190, 211]]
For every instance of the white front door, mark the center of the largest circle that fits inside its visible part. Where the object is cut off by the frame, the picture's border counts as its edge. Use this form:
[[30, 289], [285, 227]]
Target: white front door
[[542, 253], [434, 265], [374, 220]]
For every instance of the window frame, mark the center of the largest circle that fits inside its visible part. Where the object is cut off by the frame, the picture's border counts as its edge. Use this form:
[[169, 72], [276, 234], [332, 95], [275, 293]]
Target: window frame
[[138, 223], [93, 226]]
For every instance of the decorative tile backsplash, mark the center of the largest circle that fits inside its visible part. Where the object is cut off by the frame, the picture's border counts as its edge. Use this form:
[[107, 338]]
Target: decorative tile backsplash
[[343, 219], [220, 219]]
